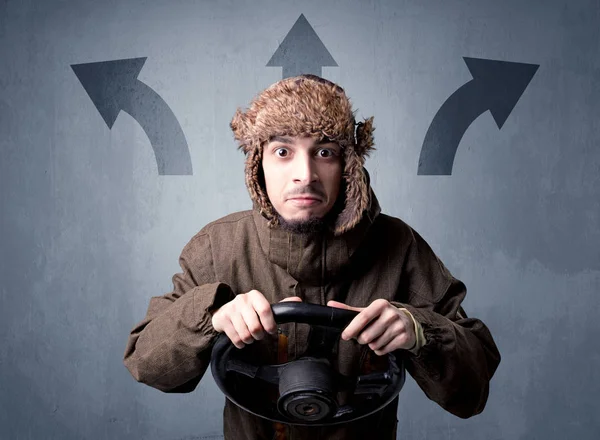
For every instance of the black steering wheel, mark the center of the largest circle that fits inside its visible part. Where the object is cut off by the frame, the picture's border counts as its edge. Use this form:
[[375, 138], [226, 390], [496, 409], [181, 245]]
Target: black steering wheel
[[307, 391]]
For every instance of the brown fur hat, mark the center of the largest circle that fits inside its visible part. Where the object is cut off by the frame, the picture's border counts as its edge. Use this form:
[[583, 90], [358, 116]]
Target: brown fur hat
[[306, 105]]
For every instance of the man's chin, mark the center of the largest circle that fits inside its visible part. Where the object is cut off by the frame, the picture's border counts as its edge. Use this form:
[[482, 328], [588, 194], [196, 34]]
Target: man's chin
[[306, 225]]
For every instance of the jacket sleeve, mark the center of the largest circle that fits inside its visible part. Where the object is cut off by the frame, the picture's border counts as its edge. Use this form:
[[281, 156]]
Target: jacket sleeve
[[170, 348], [455, 365]]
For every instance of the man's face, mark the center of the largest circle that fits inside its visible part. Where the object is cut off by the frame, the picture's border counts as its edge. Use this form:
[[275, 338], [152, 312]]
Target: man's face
[[302, 176]]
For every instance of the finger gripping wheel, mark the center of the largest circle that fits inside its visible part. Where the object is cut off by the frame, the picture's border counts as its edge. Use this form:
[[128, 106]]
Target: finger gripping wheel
[[308, 387]]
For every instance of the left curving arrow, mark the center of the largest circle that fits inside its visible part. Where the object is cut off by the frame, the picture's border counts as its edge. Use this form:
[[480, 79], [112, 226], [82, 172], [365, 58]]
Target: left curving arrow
[[114, 86]]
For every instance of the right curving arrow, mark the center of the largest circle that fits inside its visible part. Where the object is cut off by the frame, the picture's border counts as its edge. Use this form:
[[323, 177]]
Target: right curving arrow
[[496, 86]]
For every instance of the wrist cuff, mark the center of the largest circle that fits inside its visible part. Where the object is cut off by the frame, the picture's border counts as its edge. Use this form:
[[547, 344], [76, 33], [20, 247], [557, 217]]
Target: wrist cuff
[[419, 334]]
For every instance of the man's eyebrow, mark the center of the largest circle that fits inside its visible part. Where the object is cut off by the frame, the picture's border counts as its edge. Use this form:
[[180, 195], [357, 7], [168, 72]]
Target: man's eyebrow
[[283, 139], [325, 140], [288, 140]]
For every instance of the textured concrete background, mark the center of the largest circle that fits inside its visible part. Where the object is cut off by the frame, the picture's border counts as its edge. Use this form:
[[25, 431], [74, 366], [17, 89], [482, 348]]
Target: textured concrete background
[[90, 230]]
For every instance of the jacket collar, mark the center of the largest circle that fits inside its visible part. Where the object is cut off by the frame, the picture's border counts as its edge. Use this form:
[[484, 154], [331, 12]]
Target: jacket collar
[[314, 258]]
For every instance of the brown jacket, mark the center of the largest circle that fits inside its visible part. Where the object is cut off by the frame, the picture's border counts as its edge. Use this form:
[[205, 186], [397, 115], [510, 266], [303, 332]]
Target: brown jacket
[[382, 257]]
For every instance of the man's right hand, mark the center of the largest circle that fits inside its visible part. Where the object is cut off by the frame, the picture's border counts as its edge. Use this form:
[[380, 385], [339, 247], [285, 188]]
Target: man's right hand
[[245, 318]]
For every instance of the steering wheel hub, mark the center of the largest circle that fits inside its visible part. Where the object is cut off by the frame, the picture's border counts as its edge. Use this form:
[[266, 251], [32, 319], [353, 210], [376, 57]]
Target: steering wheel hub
[[307, 390]]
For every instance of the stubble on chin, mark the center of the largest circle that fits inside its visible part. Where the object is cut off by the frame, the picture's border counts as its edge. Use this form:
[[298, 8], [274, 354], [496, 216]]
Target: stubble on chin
[[309, 226], [313, 224]]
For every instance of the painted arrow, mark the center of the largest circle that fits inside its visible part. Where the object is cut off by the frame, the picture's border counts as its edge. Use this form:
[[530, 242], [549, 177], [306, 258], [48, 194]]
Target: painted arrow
[[301, 51], [496, 86], [114, 86]]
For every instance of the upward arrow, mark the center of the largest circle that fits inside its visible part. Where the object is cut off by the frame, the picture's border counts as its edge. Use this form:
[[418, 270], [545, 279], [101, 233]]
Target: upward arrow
[[496, 86], [114, 86], [301, 51]]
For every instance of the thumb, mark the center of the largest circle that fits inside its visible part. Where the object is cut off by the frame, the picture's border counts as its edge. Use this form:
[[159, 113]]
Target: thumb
[[340, 305], [292, 298]]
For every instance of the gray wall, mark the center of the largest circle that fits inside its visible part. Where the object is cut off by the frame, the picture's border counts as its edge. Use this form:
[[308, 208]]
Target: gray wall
[[90, 229]]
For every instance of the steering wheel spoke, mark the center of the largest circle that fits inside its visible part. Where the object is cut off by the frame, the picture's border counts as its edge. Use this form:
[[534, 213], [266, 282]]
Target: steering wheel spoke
[[266, 373]]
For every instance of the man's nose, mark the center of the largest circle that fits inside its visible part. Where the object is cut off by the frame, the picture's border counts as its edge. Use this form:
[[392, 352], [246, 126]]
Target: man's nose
[[304, 171]]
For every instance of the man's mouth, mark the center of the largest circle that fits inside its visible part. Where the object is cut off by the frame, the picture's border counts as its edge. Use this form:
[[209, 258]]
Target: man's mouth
[[305, 200]]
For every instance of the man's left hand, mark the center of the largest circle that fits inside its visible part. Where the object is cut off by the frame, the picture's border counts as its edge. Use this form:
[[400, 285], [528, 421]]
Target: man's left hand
[[381, 325]]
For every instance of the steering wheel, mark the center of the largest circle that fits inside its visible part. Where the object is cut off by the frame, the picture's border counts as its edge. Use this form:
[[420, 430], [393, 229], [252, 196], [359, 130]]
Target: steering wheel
[[309, 391]]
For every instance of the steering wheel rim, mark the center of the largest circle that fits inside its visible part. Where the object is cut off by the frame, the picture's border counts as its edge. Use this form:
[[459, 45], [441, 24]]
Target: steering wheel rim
[[307, 394]]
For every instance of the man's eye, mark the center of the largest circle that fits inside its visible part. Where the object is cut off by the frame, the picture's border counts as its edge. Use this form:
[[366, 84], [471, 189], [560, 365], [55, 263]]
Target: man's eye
[[281, 152], [325, 152]]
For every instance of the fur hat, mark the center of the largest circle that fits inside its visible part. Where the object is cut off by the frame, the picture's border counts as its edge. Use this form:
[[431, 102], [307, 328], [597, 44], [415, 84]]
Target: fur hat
[[307, 105]]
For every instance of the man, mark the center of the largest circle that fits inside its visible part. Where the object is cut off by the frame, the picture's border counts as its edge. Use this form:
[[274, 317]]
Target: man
[[315, 234]]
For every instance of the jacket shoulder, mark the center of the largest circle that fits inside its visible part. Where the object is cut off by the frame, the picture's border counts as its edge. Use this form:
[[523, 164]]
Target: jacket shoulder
[[225, 224], [431, 277], [228, 220], [394, 225]]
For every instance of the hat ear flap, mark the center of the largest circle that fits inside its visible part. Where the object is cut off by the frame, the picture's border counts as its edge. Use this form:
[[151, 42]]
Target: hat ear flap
[[241, 124], [357, 192], [364, 137], [255, 183]]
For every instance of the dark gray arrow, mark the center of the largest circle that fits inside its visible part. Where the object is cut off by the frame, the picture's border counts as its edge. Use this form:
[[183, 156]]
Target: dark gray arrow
[[301, 51], [113, 86], [496, 86]]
